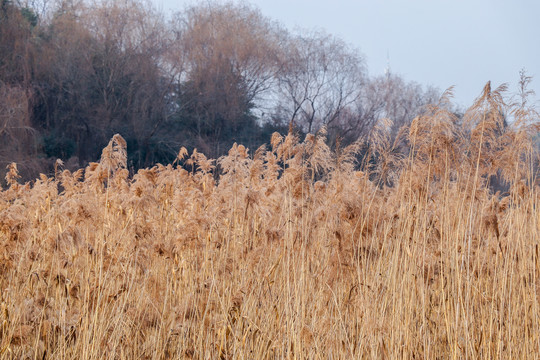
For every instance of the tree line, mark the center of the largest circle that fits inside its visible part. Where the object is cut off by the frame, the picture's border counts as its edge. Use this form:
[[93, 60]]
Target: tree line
[[74, 73]]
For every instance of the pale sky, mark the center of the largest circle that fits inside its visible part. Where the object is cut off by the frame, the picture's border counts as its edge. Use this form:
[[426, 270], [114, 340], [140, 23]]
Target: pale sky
[[437, 42]]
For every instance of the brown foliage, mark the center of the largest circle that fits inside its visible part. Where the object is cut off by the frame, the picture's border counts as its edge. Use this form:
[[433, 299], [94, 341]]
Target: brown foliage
[[294, 252]]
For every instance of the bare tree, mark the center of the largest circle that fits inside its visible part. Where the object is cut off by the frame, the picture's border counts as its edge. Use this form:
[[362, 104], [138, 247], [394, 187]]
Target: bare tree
[[235, 38], [390, 96], [231, 55], [320, 77]]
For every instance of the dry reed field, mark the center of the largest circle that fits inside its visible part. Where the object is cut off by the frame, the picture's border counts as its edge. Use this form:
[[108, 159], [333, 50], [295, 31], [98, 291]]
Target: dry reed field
[[387, 248]]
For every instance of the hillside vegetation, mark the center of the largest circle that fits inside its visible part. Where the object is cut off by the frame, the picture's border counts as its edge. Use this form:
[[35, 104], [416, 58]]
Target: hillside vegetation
[[426, 246]]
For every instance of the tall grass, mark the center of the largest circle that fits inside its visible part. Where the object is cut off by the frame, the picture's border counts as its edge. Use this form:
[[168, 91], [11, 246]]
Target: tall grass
[[294, 252]]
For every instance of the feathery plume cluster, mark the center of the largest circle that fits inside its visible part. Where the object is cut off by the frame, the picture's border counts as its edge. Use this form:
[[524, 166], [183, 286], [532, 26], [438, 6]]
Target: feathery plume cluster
[[424, 245]]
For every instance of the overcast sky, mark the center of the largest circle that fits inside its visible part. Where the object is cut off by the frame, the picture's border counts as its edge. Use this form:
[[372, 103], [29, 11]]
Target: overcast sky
[[437, 42]]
